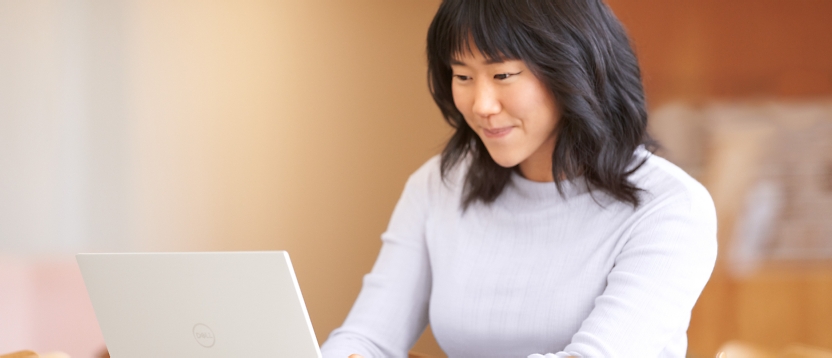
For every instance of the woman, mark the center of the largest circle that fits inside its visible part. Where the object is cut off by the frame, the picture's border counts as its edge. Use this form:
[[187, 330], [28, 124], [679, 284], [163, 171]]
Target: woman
[[546, 225]]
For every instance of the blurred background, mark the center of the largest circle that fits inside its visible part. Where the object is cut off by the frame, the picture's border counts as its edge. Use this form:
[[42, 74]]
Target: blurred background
[[184, 125]]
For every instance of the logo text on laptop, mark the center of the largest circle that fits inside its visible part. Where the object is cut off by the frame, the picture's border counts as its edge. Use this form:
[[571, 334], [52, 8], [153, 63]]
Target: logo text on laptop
[[204, 335]]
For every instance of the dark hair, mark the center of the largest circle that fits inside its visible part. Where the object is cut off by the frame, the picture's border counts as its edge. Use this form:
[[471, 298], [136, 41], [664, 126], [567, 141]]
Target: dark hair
[[581, 52]]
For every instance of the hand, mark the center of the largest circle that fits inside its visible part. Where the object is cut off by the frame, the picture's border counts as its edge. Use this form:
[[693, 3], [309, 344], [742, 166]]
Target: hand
[[355, 356]]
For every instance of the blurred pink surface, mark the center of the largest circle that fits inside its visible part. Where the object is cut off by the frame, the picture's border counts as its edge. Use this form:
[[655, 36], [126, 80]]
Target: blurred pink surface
[[44, 307]]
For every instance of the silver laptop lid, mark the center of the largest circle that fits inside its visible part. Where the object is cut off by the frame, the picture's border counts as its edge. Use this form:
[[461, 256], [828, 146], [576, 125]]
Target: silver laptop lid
[[213, 304]]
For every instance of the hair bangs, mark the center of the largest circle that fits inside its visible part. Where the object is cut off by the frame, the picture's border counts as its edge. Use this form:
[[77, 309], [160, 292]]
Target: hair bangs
[[487, 23]]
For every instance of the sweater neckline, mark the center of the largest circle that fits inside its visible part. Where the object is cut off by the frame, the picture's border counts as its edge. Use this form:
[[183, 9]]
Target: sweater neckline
[[546, 191]]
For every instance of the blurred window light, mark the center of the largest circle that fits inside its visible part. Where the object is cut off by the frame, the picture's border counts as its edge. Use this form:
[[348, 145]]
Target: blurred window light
[[774, 186]]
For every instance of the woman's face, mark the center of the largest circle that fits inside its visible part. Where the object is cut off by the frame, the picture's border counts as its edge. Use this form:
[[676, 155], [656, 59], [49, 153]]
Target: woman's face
[[510, 110]]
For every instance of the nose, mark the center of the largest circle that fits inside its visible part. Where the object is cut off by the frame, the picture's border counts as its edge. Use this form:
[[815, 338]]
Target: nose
[[486, 100]]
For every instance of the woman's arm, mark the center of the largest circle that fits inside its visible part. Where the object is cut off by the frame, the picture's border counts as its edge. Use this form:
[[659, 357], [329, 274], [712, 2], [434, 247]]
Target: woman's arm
[[391, 310]]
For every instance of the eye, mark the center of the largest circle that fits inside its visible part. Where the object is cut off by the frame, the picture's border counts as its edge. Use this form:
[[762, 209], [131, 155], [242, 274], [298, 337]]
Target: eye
[[502, 76], [462, 77]]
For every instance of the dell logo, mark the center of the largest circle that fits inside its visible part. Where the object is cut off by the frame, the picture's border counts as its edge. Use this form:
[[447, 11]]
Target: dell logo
[[204, 335]]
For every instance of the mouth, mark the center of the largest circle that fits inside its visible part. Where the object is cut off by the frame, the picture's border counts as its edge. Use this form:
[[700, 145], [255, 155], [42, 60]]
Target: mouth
[[497, 132]]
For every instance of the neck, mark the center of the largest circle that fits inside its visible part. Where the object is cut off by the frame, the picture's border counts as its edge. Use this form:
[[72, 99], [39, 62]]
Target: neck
[[538, 166]]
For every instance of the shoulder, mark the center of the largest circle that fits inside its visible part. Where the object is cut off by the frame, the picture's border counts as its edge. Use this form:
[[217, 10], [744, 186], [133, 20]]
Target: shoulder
[[676, 216], [429, 187], [669, 190], [430, 170], [429, 176]]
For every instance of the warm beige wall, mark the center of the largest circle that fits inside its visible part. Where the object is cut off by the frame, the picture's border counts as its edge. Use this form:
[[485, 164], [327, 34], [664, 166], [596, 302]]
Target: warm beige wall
[[279, 125], [185, 125]]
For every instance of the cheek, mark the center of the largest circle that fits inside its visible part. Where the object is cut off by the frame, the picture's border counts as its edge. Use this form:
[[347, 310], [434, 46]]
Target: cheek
[[463, 103], [538, 109], [464, 97]]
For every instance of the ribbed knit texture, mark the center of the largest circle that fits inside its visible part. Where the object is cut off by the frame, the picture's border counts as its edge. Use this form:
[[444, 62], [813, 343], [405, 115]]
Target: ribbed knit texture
[[536, 272]]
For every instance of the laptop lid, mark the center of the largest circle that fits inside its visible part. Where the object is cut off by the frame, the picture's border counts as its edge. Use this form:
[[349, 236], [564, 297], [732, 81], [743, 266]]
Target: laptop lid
[[212, 304]]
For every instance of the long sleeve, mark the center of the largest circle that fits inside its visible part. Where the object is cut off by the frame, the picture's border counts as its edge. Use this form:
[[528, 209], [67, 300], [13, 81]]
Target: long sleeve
[[391, 310], [655, 281]]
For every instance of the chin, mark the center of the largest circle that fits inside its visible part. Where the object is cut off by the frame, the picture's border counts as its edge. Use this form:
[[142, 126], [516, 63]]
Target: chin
[[505, 161]]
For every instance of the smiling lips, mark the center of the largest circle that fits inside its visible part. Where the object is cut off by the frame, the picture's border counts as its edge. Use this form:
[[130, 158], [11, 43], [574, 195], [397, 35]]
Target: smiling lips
[[497, 132]]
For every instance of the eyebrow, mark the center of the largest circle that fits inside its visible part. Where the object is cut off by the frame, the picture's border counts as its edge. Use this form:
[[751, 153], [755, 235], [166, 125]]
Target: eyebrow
[[490, 61]]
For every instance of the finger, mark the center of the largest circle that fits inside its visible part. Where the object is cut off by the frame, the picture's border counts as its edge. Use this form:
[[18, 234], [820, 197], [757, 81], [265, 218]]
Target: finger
[[355, 356]]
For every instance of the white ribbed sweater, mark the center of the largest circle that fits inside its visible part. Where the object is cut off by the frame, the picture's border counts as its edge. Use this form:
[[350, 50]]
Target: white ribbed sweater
[[535, 272]]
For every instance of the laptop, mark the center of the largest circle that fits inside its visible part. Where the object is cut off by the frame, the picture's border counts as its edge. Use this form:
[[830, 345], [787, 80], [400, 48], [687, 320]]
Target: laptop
[[211, 304]]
